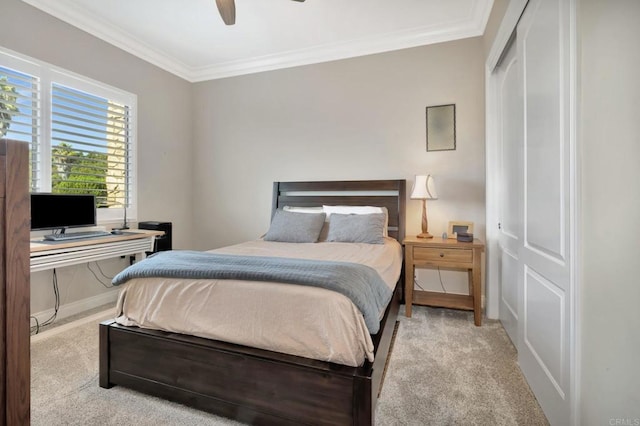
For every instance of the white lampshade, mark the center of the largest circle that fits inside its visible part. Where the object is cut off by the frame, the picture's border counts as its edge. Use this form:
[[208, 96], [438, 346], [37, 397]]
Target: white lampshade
[[424, 188]]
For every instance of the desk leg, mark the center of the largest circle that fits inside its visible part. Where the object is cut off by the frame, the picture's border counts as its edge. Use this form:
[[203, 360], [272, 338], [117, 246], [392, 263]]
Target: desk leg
[[141, 256]]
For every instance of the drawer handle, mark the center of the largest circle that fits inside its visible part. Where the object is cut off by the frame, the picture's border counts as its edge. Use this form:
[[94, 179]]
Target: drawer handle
[[441, 254]]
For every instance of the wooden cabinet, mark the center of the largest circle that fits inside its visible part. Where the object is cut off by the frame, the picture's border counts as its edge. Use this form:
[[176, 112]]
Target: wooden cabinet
[[14, 283], [436, 252]]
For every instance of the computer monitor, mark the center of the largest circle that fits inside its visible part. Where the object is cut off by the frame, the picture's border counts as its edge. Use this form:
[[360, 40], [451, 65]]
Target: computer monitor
[[62, 211]]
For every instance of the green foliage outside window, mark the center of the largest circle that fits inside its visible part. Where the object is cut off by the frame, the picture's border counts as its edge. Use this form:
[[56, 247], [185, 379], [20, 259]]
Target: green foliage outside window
[[76, 172], [8, 107]]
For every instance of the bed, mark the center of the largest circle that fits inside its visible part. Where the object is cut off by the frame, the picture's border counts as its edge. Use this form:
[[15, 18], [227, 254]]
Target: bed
[[256, 385]]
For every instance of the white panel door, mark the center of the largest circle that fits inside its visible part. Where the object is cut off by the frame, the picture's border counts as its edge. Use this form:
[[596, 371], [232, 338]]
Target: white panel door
[[511, 178], [546, 313]]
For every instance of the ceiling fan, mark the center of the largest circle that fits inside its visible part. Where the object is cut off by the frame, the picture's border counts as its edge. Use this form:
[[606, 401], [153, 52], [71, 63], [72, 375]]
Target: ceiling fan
[[227, 9]]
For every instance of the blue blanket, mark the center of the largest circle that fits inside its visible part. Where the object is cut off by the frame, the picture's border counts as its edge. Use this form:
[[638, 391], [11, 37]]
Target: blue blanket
[[360, 283]]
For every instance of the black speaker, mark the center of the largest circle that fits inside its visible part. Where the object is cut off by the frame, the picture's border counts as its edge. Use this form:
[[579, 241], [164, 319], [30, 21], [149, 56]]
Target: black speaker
[[163, 242]]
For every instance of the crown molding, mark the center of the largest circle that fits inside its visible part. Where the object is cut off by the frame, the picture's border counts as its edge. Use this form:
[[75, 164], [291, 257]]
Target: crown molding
[[93, 25], [472, 26], [335, 51]]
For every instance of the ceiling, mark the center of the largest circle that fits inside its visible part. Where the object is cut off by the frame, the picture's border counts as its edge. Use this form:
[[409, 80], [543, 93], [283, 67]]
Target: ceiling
[[189, 39]]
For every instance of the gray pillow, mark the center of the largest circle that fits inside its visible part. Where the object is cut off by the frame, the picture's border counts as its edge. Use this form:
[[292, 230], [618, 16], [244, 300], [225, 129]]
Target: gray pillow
[[290, 227], [356, 228]]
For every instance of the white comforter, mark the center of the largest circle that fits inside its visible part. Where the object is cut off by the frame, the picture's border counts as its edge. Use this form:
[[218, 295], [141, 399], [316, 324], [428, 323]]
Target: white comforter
[[298, 320]]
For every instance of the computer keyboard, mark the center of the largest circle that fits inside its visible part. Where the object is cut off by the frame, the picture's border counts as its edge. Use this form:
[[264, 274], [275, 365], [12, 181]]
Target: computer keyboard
[[76, 235]]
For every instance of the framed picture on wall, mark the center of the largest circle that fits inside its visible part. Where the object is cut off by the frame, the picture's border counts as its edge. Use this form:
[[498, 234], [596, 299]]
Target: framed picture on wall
[[459, 226], [441, 128]]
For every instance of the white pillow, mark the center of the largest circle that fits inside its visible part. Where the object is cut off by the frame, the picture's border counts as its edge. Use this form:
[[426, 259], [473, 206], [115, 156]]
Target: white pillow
[[359, 210], [303, 209], [352, 210]]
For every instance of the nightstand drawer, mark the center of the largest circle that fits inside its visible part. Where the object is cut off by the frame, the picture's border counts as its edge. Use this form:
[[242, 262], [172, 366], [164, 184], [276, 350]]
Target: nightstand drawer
[[442, 255]]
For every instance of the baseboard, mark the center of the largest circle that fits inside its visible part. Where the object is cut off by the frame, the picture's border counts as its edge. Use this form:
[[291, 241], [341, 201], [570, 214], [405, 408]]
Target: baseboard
[[79, 306], [100, 316]]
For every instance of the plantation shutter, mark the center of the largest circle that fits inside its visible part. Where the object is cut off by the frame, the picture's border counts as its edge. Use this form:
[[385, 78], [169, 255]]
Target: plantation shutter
[[20, 109], [90, 146], [81, 133]]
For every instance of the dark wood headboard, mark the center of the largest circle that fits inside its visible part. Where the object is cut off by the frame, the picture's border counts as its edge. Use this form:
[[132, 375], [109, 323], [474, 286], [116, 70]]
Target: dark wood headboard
[[382, 193]]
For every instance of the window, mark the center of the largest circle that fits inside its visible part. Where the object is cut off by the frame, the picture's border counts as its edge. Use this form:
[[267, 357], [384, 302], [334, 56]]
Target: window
[[80, 132]]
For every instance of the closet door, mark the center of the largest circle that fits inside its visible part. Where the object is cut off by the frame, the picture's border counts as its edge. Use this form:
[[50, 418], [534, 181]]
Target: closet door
[[546, 320], [510, 210]]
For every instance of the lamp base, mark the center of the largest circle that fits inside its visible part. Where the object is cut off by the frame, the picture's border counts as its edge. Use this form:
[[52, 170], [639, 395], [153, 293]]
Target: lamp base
[[424, 235]]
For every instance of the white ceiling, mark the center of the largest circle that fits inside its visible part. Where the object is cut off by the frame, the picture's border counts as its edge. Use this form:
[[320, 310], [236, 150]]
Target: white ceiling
[[189, 39]]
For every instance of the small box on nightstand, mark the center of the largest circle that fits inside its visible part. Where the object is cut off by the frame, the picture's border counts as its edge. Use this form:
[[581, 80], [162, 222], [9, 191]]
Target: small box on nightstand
[[464, 237]]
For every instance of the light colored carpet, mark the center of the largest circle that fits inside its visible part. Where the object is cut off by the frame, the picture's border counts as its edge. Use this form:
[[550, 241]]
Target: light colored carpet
[[446, 371], [443, 371]]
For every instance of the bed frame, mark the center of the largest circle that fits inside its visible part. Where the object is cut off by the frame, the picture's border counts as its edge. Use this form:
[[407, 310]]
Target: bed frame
[[253, 385]]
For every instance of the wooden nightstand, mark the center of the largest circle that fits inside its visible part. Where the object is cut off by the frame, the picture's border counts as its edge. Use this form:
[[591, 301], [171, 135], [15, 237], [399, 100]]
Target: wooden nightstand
[[436, 252]]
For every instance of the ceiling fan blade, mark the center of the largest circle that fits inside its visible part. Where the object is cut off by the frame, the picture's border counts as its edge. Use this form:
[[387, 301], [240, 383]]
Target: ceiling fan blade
[[299, 0], [227, 9]]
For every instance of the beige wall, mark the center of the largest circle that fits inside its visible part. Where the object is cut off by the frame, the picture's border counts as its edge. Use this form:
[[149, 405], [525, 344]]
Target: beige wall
[[164, 128], [361, 118], [609, 138]]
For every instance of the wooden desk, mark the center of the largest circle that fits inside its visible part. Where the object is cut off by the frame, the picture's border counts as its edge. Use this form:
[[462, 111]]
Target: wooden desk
[[56, 254], [436, 252]]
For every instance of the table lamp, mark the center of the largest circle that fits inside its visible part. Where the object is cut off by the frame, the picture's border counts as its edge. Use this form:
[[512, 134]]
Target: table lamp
[[424, 189]]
